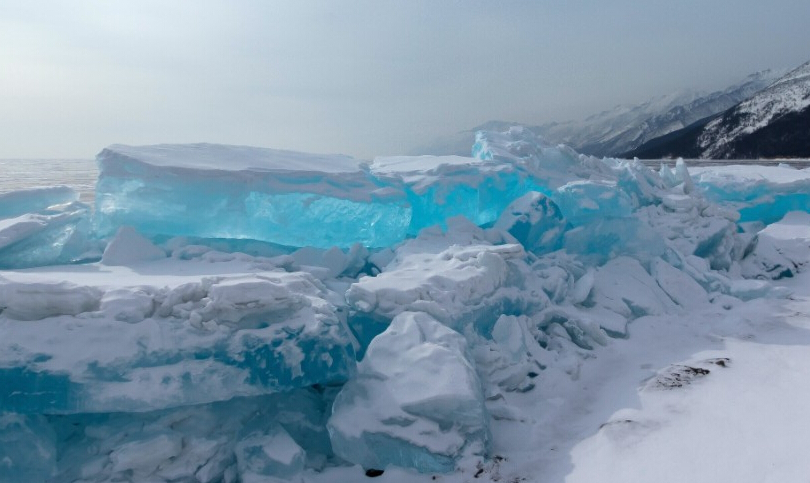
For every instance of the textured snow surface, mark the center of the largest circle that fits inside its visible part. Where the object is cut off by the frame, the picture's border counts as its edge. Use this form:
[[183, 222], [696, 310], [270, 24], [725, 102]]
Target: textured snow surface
[[496, 326]]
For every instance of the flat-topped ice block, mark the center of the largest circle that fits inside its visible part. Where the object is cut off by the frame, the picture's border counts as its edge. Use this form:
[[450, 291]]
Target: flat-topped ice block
[[238, 192]]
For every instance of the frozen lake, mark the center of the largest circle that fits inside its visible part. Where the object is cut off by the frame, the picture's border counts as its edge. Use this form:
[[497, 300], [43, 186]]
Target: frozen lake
[[79, 174]]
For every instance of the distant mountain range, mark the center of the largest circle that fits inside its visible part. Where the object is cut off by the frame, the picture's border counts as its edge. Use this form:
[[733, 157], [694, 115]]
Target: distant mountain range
[[625, 129], [774, 122]]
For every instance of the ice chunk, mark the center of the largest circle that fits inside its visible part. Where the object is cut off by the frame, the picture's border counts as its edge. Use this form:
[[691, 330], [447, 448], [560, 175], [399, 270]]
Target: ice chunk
[[756, 289], [56, 236], [781, 249], [129, 304], [441, 187], [128, 247], [550, 166], [416, 402], [582, 288], [217, 191], [681, 288], [623, 286], [582, 202], [35, 200], [695, 227], [682, 174], [760, 193], [535, 221], [197, 342], [461, 285], [274, 454], [505, 360], [604, 239]]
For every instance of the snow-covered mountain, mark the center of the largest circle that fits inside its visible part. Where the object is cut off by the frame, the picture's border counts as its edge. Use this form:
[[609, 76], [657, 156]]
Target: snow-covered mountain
[[773, 123], [680, 115], [622, 128]]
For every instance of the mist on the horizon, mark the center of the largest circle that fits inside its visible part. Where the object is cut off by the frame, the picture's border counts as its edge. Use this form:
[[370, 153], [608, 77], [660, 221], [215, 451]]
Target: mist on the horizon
[[358, 77]]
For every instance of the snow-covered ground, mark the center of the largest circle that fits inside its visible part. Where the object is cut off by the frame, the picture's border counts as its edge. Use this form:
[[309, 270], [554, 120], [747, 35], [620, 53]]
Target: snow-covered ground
[[529, 314]]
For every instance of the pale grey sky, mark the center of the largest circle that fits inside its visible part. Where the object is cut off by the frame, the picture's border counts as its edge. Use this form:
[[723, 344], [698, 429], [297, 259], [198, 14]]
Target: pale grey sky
[[358, 77]]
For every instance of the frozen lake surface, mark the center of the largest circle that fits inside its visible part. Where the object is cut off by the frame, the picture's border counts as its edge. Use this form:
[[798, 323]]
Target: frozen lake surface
[[79, 174]]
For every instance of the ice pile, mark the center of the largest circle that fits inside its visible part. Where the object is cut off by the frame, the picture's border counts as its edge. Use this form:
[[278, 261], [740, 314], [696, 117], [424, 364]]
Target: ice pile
[[44, 226], [762, 194], [261, 315]]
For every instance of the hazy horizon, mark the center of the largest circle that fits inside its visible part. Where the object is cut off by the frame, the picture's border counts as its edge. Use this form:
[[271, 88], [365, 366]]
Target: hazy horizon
[[358, 77]]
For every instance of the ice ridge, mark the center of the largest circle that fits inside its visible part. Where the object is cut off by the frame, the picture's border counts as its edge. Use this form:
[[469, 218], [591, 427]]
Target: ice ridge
[[327, 313]]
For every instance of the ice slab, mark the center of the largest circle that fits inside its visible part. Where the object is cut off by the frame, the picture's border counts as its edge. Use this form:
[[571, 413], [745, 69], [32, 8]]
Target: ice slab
[[58, 235], [271, 454], [465, 283], [781, 249], [535, 221], [35, 200], [441, 187], [605, 239], [128, 246], [217, 191], [760, 193], [623, 286], [417, 401], [150, 346], [582, 202], [205, 443]]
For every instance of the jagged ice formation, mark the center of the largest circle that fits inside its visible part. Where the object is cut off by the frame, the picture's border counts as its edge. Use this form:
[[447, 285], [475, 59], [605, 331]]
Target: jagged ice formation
[[241, 314]]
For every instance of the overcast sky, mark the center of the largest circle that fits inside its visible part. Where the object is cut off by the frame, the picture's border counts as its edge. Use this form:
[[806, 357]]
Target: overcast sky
[[358, 77]]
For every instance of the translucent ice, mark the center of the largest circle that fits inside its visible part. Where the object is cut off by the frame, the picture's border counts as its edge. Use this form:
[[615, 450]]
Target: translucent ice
[[440, 187], [57, 235], [34, 200], [585, 201], [27, 448], [535, 221], [217, 191], [760, 193]]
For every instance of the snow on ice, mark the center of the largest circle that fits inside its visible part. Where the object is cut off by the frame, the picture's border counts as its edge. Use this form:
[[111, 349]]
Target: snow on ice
[[242, 314]]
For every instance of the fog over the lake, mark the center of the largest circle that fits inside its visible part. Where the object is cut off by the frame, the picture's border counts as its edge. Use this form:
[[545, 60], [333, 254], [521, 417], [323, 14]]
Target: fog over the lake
[[358, 77]]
